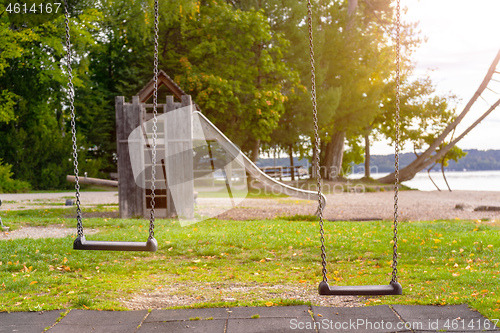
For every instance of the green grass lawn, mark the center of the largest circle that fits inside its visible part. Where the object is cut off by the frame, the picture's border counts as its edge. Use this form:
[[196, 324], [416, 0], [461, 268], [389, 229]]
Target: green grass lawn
[[441, 262]]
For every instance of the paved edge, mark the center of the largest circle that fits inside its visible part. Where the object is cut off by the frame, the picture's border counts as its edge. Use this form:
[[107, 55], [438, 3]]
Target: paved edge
[[237, 319]]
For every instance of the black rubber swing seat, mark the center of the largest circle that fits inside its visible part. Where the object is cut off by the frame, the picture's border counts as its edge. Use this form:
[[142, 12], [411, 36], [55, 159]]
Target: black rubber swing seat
[[394, 288], [82, 244]]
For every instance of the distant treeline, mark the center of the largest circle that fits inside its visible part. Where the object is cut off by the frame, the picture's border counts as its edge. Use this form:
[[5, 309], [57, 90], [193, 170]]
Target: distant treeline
[[475, 160], [283, 161]]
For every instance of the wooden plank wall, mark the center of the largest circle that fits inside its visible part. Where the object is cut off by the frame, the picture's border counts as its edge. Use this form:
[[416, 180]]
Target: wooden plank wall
[[133, 200], [130, 196]]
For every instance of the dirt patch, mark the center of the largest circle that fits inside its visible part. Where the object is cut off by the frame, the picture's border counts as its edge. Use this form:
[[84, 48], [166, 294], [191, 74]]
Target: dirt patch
[[41, 232], [194, 293]]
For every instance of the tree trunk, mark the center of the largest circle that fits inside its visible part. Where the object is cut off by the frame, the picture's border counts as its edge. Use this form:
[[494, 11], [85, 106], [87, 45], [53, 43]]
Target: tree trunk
[[367, 156], [292, 170], [426, 158], [254, 155], [333, 156], [444, 176], [429, 174]]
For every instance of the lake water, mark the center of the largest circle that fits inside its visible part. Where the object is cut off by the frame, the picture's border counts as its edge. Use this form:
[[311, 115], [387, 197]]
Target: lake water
[[458, 180]]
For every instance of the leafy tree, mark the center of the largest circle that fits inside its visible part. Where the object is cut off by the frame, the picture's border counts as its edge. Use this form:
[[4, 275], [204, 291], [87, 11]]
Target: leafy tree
[[360, 64], [423, 114], [354, 63], [116, 64], [294, 132], [34, 141], [231, 66]]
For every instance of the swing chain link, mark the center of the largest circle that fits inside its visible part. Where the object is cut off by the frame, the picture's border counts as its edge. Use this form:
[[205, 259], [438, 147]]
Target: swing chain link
[[155, 127], [316, 141], [71, 94], [397, 134]]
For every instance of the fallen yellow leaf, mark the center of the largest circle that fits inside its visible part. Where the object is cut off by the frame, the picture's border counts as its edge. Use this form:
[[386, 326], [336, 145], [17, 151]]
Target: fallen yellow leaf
[[33, 282]]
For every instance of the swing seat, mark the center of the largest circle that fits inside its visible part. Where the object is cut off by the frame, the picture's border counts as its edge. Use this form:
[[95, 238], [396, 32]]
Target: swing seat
[[394, 288], [82, 244]]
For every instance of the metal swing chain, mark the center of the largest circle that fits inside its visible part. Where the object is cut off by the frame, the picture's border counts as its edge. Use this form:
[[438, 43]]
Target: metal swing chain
[[396, 149], [155, 127], [316, 140], [71, 93]]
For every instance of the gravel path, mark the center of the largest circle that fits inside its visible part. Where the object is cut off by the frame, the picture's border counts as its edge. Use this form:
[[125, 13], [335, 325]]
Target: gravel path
[[413, 205], [15, 201]]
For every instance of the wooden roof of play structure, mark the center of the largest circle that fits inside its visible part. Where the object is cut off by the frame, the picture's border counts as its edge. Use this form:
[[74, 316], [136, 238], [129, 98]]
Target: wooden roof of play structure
[[163, 79]]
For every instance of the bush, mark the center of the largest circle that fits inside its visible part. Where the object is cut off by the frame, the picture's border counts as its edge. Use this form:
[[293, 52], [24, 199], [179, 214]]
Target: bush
[[9, 185]]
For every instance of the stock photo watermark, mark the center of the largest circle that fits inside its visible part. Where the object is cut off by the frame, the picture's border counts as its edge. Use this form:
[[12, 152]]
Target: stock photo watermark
[[381, 325]]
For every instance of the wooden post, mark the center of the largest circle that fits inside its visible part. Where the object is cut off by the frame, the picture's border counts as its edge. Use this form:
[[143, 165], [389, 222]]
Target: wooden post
[[121, 151]]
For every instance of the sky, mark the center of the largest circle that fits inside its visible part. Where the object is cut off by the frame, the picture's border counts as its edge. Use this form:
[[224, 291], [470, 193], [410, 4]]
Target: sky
[[463, 38]]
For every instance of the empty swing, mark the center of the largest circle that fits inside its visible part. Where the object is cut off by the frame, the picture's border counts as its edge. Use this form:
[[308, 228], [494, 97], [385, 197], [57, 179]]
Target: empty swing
[[80, 242], [393, 288]]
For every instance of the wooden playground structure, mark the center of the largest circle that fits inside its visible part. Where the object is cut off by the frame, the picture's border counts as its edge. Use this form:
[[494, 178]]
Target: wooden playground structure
[[134, 200]]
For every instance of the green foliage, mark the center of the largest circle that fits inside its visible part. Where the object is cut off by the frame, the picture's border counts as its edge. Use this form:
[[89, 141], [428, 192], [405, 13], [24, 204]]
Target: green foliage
[[33, 116], [423, 114], [359, 61], [296, 126], [7, 102], [230, 64], [245, 63], [9, 185], [454, 154]]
